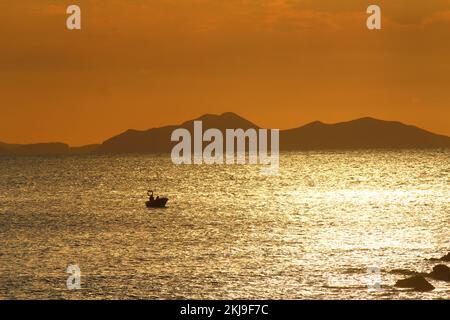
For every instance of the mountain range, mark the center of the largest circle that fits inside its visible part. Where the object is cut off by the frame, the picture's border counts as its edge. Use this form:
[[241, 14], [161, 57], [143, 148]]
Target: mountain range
[[364, 133]]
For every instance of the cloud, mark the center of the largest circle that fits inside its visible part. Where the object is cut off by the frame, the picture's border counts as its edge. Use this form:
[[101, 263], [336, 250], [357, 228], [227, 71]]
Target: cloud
[[442, 17]]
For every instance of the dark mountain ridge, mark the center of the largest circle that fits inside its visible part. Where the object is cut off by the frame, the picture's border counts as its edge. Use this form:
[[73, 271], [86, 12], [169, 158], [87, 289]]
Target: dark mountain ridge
[[361, 133], [364, 133]]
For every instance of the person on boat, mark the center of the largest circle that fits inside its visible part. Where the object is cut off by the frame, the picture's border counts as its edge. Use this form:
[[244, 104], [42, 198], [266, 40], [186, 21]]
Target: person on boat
[[152, 198], [157, 198]]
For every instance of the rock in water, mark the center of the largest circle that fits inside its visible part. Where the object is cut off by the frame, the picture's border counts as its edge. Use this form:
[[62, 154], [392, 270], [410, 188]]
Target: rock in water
[[446, 257], [417, 283], [440, 272]]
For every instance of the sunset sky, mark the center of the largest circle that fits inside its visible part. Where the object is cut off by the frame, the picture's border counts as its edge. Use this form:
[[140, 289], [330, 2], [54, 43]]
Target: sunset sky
[[280, 63]]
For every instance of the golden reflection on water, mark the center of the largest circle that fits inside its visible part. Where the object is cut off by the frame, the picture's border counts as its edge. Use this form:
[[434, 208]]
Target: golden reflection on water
[[311, 232]]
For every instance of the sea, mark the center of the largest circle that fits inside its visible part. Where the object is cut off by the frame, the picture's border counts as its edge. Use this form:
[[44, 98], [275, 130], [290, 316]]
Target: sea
[[330, 225]]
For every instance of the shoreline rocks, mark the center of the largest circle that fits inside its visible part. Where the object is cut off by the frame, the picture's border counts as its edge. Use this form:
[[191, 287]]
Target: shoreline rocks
[[445, 258], [440, 272], [416, 283]]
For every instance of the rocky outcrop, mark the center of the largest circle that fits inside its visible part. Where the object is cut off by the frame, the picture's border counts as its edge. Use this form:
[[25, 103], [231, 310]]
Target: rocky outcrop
[[445, 258], [440, 272], [416, 283]]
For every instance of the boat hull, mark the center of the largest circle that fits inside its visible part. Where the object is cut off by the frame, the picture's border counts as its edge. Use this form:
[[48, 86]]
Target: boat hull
[[157, 203]]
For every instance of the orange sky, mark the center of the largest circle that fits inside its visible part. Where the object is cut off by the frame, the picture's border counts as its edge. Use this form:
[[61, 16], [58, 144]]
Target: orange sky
[[280, 63]]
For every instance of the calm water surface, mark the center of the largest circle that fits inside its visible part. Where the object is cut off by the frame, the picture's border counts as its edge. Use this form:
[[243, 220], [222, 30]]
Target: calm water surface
[[311, 232]]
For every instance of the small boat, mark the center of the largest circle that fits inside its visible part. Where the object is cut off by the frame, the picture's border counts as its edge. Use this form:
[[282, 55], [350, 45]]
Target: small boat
[[155, 202]]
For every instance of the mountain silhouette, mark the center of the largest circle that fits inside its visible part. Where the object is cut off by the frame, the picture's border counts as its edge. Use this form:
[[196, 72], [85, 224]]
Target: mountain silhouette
[[158, 140], [364, 133], [40, 149], [360, 134]]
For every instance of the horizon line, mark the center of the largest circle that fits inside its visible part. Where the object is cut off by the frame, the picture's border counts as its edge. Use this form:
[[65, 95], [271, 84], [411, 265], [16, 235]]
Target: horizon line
[[220, 115]]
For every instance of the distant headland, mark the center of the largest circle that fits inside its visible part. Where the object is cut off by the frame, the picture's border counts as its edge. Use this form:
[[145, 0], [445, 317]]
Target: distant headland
[[364, 133]]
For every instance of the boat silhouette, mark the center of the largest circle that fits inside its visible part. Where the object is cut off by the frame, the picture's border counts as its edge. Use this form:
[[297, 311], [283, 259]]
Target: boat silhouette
[[155, 202]]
